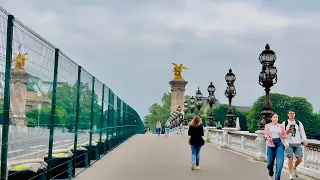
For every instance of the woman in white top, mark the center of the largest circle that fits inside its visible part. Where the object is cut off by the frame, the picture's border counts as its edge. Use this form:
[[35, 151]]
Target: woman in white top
[[275, 135]]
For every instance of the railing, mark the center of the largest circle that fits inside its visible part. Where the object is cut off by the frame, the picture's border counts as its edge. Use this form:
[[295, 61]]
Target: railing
[[253, 144], [54, 115]]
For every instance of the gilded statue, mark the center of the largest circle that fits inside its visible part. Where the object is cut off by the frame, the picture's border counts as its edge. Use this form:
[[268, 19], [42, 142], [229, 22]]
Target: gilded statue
[[177, 71], [19, 60]]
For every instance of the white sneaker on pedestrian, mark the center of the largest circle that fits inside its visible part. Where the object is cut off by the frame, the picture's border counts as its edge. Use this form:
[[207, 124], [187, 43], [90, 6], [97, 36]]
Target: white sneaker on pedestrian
[[294, 170], [270, 178], [193, 166], [290, 177], [197, 167]]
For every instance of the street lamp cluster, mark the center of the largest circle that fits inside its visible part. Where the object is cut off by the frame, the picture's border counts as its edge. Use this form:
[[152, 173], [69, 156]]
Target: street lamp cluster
[[267, 78], [176, 117]]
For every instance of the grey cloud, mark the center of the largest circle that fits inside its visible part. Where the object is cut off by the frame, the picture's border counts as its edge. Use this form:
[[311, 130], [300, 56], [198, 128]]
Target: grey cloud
[[130, 46]]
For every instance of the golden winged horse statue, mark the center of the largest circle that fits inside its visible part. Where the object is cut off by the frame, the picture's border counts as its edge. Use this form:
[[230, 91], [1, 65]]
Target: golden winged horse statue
[[177, 70], [19, 60]]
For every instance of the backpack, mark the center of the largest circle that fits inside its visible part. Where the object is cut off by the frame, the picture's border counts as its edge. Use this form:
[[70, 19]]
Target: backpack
[[286, 124]]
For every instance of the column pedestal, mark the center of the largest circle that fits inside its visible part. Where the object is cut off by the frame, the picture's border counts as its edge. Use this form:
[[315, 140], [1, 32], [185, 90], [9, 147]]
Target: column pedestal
[[18, 99], [178, 88], [261, 145], [226, 140]]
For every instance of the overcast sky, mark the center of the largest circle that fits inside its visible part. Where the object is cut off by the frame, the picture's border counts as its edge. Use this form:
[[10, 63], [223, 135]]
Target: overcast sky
[[130, 45]]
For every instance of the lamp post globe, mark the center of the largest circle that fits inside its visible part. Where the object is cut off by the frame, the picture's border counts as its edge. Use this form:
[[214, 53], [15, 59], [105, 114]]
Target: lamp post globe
[[211, 89], [267, 57], [192, 106], [230, 77], [179, 108], [199, 95]]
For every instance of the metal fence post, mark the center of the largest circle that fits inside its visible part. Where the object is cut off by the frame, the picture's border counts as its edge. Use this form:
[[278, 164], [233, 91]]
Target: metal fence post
[[76, 126], [53, 109], [6, 100], [101, 118], [91, 116]]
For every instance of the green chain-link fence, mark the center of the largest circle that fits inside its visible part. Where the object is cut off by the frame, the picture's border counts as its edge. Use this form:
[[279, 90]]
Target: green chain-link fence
[[57, 119]]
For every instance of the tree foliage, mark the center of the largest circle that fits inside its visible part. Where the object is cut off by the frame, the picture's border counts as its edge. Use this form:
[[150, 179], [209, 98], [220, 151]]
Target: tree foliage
[[220, 112], [66, 108], [159, 112], [281, 103]]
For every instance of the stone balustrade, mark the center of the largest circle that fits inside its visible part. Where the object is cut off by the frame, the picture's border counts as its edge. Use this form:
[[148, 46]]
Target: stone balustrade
[[254, 145]]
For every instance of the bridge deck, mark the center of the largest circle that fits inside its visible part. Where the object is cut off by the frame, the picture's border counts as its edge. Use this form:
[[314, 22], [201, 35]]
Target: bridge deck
[[147, 157]]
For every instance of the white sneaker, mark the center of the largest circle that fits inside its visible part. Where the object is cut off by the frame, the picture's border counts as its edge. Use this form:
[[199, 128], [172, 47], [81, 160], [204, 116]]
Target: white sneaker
[[270, 178], [294, 170], [193, 165], [290, 177], [197, 167]]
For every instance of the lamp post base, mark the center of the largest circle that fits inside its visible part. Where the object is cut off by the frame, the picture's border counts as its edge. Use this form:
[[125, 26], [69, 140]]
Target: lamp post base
[[230, 121], [265, 118]]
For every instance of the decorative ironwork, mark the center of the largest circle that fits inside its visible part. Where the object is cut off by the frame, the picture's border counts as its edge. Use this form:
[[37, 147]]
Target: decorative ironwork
[[230, 92], [267, 78]]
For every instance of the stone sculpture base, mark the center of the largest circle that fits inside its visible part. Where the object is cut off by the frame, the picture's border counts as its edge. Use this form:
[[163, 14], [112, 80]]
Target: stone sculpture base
[[177, 93], [18, 99]]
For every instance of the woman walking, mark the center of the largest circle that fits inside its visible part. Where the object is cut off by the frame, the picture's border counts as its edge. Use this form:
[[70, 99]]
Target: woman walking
[[196, 141], [167, 128], [158, 128], [275, 135]]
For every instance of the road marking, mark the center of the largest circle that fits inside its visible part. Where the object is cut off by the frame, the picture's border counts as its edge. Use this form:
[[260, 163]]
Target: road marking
[[37, 146], [66, 140], [15, 151], [56, 143], [42, 151]]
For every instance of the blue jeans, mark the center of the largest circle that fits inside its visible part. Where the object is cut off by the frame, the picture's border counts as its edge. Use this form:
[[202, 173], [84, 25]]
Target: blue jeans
[[167, 130], [195, 157], [277, 153], [158, 131]]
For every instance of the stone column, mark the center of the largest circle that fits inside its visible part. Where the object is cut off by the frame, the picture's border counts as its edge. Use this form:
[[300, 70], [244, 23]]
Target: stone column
[[207, 131], [261, 145], [18, 99], [225, 137], [178, 88]]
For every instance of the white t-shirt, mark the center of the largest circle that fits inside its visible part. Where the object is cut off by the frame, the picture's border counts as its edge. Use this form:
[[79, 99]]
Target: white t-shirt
[[297, 134], [275, 131]]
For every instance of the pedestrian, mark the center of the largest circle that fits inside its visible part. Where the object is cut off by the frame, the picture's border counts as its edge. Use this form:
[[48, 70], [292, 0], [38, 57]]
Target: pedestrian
[[167, 128], [295, 136], [158, 128], [196, 141], [275, 135]]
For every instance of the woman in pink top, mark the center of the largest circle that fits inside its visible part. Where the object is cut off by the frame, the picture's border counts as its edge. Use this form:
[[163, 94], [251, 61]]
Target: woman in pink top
[[275, 135]]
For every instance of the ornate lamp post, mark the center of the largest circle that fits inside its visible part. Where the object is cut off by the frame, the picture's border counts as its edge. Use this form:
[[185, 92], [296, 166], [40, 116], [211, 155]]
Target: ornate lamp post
[[199, 100], [267, 78], [185, 121], [211, 100], [230, 93], [192, 106]]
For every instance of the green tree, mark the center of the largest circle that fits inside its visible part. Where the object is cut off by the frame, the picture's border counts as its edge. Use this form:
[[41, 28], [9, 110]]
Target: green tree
[[66, 108], [220, 112], [159, 112], [281, 103]]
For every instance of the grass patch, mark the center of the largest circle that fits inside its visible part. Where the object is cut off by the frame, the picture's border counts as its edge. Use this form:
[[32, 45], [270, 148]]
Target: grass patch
[[208, 141], [223, 147], [256, 159]]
